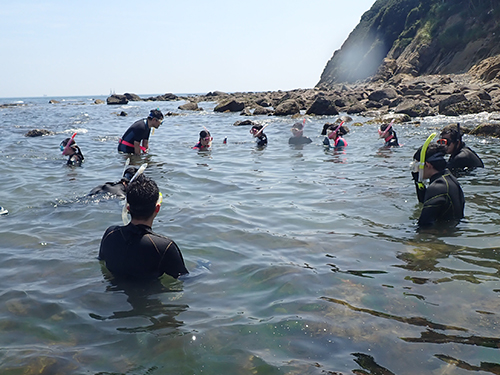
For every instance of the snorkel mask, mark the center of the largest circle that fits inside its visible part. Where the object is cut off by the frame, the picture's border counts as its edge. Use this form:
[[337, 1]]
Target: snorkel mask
[[332, 134], [383, 134], [67, 146]]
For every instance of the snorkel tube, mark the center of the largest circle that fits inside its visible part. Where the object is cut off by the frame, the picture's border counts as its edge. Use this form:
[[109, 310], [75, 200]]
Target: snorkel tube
[[332, 134], [382, 134], [421, 164], [125, 217]]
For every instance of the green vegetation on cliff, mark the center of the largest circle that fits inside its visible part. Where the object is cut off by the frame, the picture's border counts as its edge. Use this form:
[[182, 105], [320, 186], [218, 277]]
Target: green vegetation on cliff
[[420, 36]]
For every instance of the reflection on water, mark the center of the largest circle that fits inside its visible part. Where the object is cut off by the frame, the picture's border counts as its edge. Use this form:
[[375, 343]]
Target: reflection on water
[[315, 263]]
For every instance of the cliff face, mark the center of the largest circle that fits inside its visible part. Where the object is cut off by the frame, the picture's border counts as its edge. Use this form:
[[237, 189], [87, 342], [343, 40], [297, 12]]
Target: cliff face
[[416, 37]]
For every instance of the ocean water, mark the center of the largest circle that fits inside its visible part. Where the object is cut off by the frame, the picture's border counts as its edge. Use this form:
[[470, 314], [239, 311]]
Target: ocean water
[[303, 260]]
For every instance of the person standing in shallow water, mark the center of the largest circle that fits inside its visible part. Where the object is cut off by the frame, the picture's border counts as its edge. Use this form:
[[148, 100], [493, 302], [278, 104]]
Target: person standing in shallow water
[[443, 199], [335, 134], [70, 148], [258, 132], [204, 142], [388, 133], [136, 138], [134, 251], [298, 135], [462, 158]]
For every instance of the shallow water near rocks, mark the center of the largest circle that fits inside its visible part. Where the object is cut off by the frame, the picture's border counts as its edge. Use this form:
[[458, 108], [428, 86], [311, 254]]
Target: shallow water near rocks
[[303, 260]]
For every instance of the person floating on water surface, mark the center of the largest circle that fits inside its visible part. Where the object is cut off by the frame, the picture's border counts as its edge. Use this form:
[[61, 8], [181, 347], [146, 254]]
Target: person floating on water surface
[[118, 188], [298, 135], [335, 133], [388, 133], [462, 158], [70, 148], [205, 141], [443, 199], [258, 132], [138, 132], [134, 251]]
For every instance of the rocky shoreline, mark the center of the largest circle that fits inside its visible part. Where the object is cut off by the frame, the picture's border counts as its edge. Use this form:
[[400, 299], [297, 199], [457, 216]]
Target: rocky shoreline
[[402, 96]]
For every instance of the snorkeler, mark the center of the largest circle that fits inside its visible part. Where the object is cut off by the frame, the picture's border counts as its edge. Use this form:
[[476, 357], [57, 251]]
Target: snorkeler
[[388, 133], [443, 199], [298, 135], [138, 132], [258, 132], [462, 158], [134, 251], [205, 141], [118, 188], [334, 133], [70, 148]]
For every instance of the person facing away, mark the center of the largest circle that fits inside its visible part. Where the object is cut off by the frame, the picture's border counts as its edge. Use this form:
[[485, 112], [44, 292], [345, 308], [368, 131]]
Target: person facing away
[[388, 133], [70, 148], [462, 158], [443, 199], [335, 133], [118, 188], [134, 251], [298, 135], [204, 142], [257, 132], [136, 138]]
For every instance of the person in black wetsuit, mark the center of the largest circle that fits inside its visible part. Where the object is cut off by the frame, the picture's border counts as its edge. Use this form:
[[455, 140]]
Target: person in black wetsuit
[[204, 142], [134, 251], [387, 132], [257, 132], [443, 199], [70, 148], [462, 158], [118, 188], [298, 135], [138, 132]]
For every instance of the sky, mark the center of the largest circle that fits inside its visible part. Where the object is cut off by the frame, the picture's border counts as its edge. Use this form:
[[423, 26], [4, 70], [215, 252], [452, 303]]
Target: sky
[[152, 47]]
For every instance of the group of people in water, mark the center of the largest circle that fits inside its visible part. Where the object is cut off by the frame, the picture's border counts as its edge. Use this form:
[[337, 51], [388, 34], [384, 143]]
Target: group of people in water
[[134, 251]]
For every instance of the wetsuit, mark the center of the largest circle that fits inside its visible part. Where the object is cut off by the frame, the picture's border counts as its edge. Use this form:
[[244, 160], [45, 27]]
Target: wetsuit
[[138, 131], [199, 146], [76, 159], [261, 140], [339, 142], [116, 188], [299, 140], [463, 160], [443, 199], [136, 252]]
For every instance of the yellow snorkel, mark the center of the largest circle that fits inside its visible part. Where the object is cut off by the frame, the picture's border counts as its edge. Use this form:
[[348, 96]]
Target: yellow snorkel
[[421, 164]]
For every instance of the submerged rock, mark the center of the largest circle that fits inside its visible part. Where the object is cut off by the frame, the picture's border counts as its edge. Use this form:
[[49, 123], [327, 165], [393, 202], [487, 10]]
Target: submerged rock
[[38, 133]]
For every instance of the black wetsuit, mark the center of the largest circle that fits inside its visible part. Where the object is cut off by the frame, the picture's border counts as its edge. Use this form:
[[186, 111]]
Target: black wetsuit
[[299, 140], [138, 131], [75, 160], [443, 199], [136, 252], [464, 160], [262, 140], [116, 188]]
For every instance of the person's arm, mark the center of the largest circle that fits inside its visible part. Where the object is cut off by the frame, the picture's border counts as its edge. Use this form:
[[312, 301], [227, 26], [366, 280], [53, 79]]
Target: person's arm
[[172, 262], [434, 204], [145, 145]]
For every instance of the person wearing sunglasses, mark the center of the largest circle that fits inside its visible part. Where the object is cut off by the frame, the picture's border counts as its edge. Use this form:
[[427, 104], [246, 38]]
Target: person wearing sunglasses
[[443, 199], [462, 158], [134, 251], [136, 138], [204, 142]]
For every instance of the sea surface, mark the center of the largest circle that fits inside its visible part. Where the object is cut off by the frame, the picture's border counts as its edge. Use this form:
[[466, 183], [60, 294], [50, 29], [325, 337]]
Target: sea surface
[[303, 260]]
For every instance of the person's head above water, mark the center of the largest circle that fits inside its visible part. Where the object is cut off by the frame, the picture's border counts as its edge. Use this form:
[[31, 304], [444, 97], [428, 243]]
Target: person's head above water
[[205, 138], [434, 155], [129, 173], [385, 130], [298, 129], [451, 137], [66, 144], [155, 118], [143, 198], [256, 129], [333, 130]]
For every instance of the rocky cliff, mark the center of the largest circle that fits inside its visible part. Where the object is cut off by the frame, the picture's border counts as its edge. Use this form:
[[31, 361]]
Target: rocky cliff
[[416, 37]]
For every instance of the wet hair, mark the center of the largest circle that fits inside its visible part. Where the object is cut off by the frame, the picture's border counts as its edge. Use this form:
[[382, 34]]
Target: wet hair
[[257, 127], [340, 131], [204, 134], [142, 196], [298, 126], [156, 113], [129, 173], [454, 131], [383, 127], [434, 155], [65, 142]]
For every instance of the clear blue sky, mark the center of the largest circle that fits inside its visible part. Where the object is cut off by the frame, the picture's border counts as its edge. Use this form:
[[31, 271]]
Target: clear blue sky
[[65, 48]]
